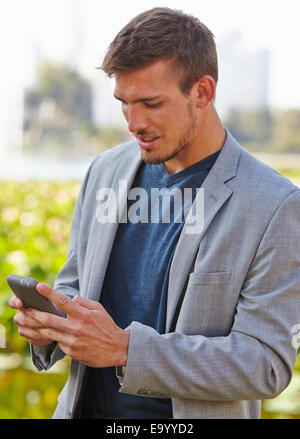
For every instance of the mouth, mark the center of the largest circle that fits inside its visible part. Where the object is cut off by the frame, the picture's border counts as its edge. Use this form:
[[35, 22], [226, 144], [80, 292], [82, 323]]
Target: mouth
[[147, 142]]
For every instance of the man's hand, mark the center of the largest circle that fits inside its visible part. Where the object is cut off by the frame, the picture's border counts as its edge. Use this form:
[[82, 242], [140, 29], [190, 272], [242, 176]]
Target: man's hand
[[88, 334], [28, 327]]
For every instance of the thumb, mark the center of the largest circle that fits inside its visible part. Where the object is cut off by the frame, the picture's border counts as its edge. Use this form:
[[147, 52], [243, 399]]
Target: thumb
[[86, 303]]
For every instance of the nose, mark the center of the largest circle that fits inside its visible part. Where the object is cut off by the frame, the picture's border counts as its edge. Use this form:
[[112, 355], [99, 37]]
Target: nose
[[136, 119]]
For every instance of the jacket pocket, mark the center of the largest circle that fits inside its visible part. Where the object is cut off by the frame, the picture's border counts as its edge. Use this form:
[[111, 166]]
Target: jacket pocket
[[209, 304]]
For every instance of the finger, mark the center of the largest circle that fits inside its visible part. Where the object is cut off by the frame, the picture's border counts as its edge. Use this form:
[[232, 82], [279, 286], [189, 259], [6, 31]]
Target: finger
[[22, 319], [39, 341], [60, 300], [15, 303], [48, 320], [87, 303], [55, 335], [65, 349], [30, 333]]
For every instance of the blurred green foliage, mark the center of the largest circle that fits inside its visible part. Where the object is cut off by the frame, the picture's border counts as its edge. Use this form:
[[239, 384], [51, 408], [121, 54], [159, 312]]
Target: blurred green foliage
[[264, 130], [35, 220]]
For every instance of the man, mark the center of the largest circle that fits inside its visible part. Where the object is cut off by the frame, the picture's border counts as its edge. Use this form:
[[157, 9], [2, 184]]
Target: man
[[165, 320]]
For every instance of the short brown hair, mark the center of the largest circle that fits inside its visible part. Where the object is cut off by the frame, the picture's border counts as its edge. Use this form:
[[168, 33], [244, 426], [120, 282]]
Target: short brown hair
[[164, 33]]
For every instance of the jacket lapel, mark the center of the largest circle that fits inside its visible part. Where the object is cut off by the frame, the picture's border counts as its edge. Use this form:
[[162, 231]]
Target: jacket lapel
[[104, 234], [216, 193]]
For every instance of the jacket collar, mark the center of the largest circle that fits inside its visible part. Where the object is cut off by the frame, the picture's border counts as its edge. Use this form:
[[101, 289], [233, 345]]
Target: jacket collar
[[226, 164]]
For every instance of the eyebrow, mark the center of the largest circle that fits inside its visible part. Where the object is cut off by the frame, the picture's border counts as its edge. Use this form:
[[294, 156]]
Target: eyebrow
[[140, 100]]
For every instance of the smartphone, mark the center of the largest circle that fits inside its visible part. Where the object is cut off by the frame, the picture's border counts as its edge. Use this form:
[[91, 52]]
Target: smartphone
[[25, 289]]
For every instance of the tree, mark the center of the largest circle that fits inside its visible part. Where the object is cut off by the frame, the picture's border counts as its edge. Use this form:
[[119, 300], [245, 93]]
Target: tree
[[287, 131], [60, 104], [253, 126], [260, 130]]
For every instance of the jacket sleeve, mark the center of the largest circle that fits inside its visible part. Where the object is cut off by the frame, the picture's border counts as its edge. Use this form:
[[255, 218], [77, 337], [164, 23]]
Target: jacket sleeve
[[255, 360], [67, 282]]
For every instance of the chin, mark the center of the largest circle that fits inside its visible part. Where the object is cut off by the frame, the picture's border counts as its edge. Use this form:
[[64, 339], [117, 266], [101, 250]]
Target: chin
[[151, 159]]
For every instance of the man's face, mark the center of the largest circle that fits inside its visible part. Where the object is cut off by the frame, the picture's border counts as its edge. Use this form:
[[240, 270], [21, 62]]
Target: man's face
[[159, 115]]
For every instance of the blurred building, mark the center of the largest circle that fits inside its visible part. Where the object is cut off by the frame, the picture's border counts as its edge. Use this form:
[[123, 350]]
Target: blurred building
[[243, 75]]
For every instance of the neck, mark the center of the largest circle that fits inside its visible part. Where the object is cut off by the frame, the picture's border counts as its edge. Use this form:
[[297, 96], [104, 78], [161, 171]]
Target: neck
[[209, 138]]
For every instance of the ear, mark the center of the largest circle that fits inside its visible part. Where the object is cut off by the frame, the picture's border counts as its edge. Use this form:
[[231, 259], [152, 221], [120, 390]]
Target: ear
[[205, 89]]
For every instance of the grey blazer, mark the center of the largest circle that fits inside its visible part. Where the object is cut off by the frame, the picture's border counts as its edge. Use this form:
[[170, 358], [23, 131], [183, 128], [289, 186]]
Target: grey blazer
[[231, 340]]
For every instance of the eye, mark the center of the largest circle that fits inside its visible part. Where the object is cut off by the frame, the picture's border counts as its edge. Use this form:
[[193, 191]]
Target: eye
[[153, 105]]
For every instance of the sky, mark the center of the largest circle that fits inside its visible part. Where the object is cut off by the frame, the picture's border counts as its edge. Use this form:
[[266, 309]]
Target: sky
[[35, 25]]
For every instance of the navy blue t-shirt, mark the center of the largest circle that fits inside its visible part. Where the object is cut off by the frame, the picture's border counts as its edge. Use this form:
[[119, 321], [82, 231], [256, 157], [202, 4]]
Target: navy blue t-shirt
[[135, 285]]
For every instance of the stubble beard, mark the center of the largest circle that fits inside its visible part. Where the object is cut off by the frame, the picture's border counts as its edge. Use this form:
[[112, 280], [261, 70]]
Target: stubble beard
[[182, 144]]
